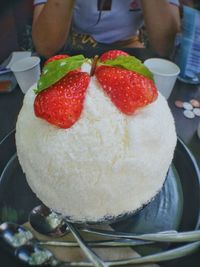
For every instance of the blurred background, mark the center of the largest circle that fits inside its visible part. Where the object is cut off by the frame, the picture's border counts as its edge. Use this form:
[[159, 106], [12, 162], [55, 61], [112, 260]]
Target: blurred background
[[16, 20], [15, 26]]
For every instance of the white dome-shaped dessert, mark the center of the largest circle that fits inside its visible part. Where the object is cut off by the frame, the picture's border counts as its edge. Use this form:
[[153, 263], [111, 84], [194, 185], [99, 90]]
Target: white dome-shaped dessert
[[106, 164]]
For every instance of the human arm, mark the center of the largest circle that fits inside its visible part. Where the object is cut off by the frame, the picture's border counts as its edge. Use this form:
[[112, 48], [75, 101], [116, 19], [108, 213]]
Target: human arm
[[51, 25], [162, 21]]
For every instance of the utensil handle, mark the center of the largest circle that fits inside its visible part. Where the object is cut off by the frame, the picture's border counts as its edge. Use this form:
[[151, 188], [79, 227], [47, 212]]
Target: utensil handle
[[161, 256], [167, 236], [90, 254]]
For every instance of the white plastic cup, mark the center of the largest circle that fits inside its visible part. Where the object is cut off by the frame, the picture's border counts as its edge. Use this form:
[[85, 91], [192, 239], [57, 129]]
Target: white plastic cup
[[26, 71], [165, 74]]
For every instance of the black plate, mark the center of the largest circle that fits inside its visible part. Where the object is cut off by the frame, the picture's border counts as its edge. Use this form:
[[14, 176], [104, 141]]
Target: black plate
[[176, 207]]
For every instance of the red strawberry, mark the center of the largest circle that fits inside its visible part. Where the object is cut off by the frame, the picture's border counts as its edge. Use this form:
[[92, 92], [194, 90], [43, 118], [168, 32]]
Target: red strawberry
[[112, 54], [57, 57], [62, 103], [128, 90]]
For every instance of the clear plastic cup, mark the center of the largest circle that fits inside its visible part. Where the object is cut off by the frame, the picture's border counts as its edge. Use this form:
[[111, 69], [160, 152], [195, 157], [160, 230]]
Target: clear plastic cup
[[26, 71], [165, 74]]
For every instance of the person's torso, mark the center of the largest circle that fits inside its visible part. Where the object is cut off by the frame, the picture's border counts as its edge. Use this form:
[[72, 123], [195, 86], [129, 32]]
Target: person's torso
[[121, 22]]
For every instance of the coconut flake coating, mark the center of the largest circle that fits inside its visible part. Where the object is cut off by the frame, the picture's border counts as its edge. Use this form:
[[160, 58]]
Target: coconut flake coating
[[106, 164]]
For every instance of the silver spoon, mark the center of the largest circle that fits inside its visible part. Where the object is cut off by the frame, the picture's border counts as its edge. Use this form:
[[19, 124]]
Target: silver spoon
[[28, 249], [14, 235], [20, 242], [47, 222], [39, 220], [32, 254]]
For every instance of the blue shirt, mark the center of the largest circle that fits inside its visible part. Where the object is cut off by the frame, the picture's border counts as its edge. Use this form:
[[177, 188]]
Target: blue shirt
[[120, 23]]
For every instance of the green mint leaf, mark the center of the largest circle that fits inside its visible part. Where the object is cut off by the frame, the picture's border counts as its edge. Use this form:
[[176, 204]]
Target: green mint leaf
[[129, 63], [56, 70]]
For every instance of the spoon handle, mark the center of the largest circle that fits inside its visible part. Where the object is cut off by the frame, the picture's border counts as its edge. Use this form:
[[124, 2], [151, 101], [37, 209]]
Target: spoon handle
[[167, 236], [90, 254]]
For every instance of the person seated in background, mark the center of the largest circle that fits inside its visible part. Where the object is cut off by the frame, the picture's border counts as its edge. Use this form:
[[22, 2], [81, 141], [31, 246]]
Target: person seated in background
[[189, 3], [113, 22]]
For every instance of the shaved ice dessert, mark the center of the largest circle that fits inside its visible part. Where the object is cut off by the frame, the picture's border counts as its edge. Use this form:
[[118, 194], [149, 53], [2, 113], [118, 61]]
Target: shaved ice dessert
[[95, 147]]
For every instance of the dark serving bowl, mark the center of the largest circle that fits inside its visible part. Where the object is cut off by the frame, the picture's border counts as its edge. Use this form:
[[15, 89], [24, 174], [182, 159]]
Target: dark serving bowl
[[176, 206]]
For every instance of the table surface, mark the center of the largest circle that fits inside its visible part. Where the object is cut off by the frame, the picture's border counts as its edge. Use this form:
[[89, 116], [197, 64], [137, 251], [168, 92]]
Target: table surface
[[10, 104]]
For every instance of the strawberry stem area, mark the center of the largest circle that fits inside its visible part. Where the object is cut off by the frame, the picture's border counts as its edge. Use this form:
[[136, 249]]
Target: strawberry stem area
[[94, 63]]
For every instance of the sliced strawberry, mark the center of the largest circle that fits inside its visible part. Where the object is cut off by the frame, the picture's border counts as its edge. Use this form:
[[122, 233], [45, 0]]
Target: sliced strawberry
[[111, 54], [57, 57], [128, 90], [62, 103]]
